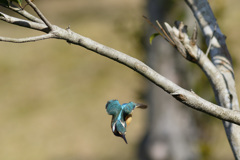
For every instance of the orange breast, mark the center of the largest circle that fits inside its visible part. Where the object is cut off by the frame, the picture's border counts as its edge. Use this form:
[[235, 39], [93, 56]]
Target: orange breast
[[128, 119]]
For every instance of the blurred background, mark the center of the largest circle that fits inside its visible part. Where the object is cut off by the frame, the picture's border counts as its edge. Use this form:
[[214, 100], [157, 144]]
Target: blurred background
[[53, 94]]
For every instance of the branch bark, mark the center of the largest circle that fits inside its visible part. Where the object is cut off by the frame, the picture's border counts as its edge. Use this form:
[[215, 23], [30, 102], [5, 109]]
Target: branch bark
[[23, 13], [186, 97], [225, 93], [28, 39], [39, 13], [24, 23]]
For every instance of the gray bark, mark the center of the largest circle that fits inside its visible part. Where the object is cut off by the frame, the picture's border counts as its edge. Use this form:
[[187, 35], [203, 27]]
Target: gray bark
[[226, 96]]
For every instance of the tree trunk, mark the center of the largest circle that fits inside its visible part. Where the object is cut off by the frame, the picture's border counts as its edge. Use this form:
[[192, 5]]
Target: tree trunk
[[171, 130]]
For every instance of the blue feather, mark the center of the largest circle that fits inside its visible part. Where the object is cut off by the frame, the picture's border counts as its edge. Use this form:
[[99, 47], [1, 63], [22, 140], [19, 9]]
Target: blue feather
[[120, 113]]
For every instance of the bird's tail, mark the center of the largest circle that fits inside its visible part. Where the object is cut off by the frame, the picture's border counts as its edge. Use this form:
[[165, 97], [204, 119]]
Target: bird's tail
[[142, 106]]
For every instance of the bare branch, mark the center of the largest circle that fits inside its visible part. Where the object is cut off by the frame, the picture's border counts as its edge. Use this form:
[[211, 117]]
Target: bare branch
[[180, 47], [164, 34], [190, 99], [28, 39], [193, 53], [226, 95], [39, 13], [186, 97], [24, 13], [223, 84], [23, 23]]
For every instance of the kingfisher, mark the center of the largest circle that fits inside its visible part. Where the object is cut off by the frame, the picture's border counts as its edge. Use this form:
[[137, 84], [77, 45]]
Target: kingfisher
[[121, 116]]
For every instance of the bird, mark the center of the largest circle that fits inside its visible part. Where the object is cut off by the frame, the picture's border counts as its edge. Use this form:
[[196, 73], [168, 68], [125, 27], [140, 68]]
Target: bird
[[121, 116]]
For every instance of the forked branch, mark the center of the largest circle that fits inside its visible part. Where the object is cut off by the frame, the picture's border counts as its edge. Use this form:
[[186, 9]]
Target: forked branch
[[190, 99], [23, 13], [39, 13]]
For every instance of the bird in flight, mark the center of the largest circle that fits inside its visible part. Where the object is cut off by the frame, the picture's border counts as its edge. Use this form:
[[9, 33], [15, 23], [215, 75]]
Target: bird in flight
[[121, 116]]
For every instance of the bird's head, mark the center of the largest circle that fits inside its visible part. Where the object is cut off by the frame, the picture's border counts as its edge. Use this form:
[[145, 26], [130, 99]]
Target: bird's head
[[119, 129]]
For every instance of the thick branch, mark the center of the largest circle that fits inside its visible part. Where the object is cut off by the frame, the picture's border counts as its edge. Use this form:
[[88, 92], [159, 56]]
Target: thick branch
[[192, 52], [188, 98], [227, 97], [219, 52], [184, 96]]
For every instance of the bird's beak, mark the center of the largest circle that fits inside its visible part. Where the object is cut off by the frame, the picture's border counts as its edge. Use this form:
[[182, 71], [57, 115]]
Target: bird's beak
[[123, 136]]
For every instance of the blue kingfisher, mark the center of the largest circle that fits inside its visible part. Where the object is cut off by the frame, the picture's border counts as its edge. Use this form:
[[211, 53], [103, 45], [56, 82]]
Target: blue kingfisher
[[121, 116]]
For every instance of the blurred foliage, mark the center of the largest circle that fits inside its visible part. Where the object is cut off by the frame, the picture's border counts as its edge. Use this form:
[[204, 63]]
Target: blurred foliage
[[6, 2]]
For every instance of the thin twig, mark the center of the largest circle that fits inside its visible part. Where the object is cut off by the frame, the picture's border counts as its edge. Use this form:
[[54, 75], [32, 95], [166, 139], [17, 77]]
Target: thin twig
[[28, 39], [147, 19], [39, 13], [160, 33], [23, 13], [23, 23], [165, 33]]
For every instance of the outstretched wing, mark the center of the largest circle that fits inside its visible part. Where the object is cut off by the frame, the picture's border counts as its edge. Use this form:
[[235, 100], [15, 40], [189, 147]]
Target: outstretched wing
[[128, 110], [113, 107], [129, 107]]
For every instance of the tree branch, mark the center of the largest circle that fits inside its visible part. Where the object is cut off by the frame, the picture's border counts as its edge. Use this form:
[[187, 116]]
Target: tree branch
[[219, 52], [28, 39], [220, 56], [190, 99], [24, 23], [193, 53], [24, 13], [39, 13], [184, 96]]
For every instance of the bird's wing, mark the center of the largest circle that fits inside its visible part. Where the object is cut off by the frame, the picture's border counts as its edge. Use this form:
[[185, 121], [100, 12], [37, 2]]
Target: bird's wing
[[128, 110], [129, 107], [113, 107]]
